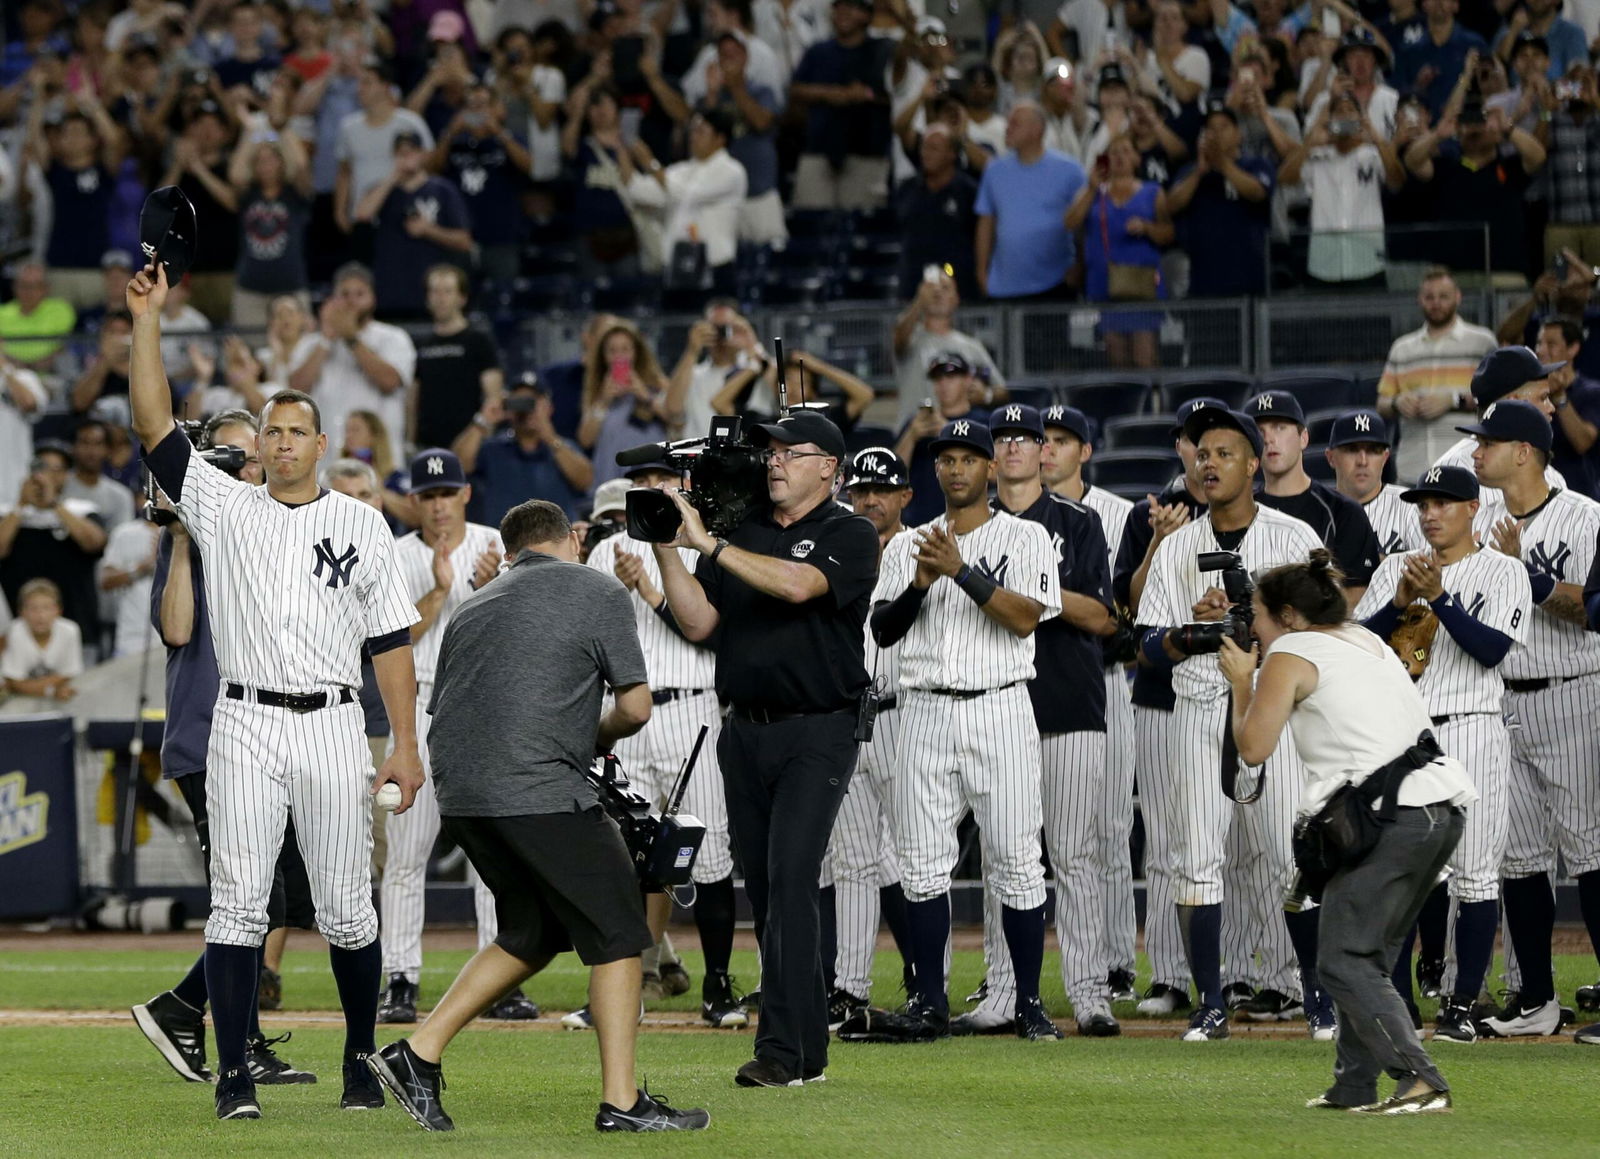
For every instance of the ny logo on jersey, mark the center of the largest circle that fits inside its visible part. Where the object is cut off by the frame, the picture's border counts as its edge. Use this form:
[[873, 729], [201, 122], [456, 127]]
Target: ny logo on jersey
[[1433, 475], [436, 466], [960, 429], [1475, 606], [339, 567], [1551, 563], [1394, 544], [1013, 414], [1363, 422], [998, 572]]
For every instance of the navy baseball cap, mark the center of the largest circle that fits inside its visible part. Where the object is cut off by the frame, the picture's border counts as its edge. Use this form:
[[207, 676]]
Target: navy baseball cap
[[653, 465], [802, 426], [1443, 482], [949, 362], [1207, 418], [1359, 426], [1276, 404], [435, 468], [1504, 370], [168, 231], [877, 467], [1068, 418], [1513, 421], [1190, 407], [968, 433], [1015, 416]]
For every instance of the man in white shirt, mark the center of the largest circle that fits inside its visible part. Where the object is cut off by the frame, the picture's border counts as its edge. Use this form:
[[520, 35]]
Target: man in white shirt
[[21, 396], [356, 362], [365, 151], [88, 480], [764, 68], [124, 576], [719, 347], [44, 650], [926, 328], [701, 196]]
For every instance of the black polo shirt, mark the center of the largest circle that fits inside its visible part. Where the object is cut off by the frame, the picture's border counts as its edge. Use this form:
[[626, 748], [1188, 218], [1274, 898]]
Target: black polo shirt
[[1339, 521], [784, 657], [1152, 687]]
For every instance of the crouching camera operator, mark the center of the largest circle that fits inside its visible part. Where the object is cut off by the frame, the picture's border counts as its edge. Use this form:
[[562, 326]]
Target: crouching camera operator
[[1380, 813], [516, 724], [787, 594]]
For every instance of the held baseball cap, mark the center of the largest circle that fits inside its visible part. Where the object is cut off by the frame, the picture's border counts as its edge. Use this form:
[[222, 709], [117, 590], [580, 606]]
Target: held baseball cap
[[1208, 418], [967, 433], [1359, 426], [948, 362], [1276, 404], [1017, 417], [802, 426], [436, 468], [877, 467], [1504, 370], [1068, 418], [1456, 483], [167, 231], [1513, 421], [610, 498], [1190, 407]]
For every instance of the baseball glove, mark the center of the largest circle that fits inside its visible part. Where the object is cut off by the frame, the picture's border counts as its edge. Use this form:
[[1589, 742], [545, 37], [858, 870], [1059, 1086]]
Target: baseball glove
[[871, 1024], [1412, 638]]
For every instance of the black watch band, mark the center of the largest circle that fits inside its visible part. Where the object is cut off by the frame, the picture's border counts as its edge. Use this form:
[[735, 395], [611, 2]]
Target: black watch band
[[717, 550]]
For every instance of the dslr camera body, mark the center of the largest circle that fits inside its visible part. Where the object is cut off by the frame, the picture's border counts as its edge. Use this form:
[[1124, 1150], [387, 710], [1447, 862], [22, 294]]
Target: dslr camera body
[[727, 482], [1205, 637]]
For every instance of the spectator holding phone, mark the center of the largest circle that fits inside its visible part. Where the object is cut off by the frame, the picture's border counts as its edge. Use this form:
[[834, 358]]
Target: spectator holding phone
[[488, 162], [528, 461], [1359, 62], [602, 167], [624, 395], [421, 221]]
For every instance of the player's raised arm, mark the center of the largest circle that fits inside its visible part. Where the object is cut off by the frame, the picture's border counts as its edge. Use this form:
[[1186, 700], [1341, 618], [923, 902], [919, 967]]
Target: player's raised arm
[[148, 392]]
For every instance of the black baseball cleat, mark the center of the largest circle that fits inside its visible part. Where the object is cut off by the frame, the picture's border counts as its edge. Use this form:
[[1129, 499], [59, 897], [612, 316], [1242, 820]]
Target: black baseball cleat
[[1208, 1024], [362, 1090], [1100, 1024], [721, 1006], [178, 1031], [267, 1068], [514, 1007], [763, 1072], [1270, 1006], [236, 1095], [841, 1005], [650, 1113], [1120, 983], [930, 1022], [1430, 977], [1454, 1023], [399, 1001], [1589, 997], [1237, 994], [674, 979], [1034, 1025], [269, 992], [414, 1084]]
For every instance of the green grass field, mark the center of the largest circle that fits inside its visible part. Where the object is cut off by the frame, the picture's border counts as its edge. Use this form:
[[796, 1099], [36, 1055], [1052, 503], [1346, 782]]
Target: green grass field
[[98, 1088]]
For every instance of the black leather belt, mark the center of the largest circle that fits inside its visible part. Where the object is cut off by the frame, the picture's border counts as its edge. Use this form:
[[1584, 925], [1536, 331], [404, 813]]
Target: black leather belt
[[1448, 717], [968, 694], [887, 703], [668, 695], [771, 716], [1539, 684], [293, 701]]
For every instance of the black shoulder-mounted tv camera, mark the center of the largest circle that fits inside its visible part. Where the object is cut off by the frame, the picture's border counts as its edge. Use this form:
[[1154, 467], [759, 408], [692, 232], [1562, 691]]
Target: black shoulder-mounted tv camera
[[663, 846], [227, 459], [1204, 637], [727, 482]]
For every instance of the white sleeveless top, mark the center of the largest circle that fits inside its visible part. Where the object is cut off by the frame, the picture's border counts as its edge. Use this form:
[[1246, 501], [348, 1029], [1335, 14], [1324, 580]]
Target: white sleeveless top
[[1364, 712]]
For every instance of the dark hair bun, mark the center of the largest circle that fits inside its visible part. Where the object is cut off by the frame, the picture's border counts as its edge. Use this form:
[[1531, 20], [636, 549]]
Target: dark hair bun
[[1321, 561]]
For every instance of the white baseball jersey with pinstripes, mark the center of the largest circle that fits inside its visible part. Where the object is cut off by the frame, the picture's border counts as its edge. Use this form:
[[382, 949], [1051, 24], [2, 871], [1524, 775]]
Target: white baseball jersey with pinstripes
[[1113, 511], [1460, 455], [1493, 589], [1395, 521], [672, 661], [414, 558], [952, 644], [1176, 583], [1559, 539]]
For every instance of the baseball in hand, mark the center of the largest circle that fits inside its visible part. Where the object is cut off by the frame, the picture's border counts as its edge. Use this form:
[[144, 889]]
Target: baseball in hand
[[387, 797]]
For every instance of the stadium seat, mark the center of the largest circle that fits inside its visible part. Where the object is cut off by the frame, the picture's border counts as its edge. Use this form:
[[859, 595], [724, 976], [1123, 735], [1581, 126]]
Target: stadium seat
[[1366, 391], [1320, 388], [1151, 470], [1138, 432], [1319, 423], [864, 435], [1231, 388], [1030, 394], [1133, 492], [1317, 465], [1108, 397]]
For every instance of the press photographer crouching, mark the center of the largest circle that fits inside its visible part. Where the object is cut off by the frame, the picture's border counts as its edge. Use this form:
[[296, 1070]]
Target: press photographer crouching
[[1380, 813], [516, 724], [787, 595]]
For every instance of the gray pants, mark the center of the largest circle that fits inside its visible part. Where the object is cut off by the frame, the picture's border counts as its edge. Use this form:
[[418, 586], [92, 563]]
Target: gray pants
[[1366, 913]]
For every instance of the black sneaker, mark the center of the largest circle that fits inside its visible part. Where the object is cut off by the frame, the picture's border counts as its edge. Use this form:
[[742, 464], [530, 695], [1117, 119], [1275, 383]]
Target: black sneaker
[[1270, 1006], [414, 1084], [399, 1001], [674, 979], [362, 1090], [1120, 983], [1237, 995], [514, 1007], [932, 1022], [650, 1113], [1430, 978], [236, 1095], [721, 1006], [267, 1068], [761, 1072], [1034, 1025], [269, 991], [841, 1005], [178, 1031], [1455, 1023]]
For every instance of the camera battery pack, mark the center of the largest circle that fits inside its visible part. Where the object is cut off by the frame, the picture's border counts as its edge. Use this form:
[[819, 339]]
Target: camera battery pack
[[669, 858]]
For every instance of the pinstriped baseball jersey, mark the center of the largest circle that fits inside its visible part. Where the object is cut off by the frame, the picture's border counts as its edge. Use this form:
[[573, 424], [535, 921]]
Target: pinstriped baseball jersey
[[1493, 589], [1176, 583], [1113, 511], [1460, 455], [414, 558], [294, 590], [1394, 521], [672, 661], [952, 644], [1559, 539]]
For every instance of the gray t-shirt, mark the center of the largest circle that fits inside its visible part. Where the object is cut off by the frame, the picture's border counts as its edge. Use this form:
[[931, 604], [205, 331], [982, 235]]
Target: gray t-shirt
[[370, 150], [911, 370], [516, 696]]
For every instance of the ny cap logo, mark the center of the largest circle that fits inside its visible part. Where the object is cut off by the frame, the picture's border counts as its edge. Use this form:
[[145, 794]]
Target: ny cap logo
[[1198, 404], [1363, 422], [1264, 402], [1055, 412], [436, 466], [1489, 414], [339, 567], [961, 429], [1432, 476], [1013, 414]]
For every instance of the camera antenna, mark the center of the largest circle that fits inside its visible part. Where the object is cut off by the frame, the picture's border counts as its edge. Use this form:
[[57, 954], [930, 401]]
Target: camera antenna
[[800, 365], [675, 799], [783, 388]]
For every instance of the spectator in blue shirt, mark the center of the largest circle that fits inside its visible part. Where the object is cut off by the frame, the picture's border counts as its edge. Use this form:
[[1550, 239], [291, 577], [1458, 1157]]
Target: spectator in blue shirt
[[842, 81], [529, 461], [1023, 247], [1431, 65], [489, 164], [421, 221], [36, 26], [1563, 40], [752, 109], [1222, 204]]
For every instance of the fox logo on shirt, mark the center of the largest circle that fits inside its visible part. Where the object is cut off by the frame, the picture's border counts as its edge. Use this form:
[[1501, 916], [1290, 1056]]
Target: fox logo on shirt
[[339, 567]]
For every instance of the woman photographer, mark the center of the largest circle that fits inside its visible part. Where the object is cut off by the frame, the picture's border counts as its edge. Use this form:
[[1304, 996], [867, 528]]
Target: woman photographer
[[1353, 710]]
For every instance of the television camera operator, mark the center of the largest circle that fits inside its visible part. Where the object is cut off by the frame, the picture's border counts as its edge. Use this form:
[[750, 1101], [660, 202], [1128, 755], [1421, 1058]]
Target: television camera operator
[[789, 590]]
